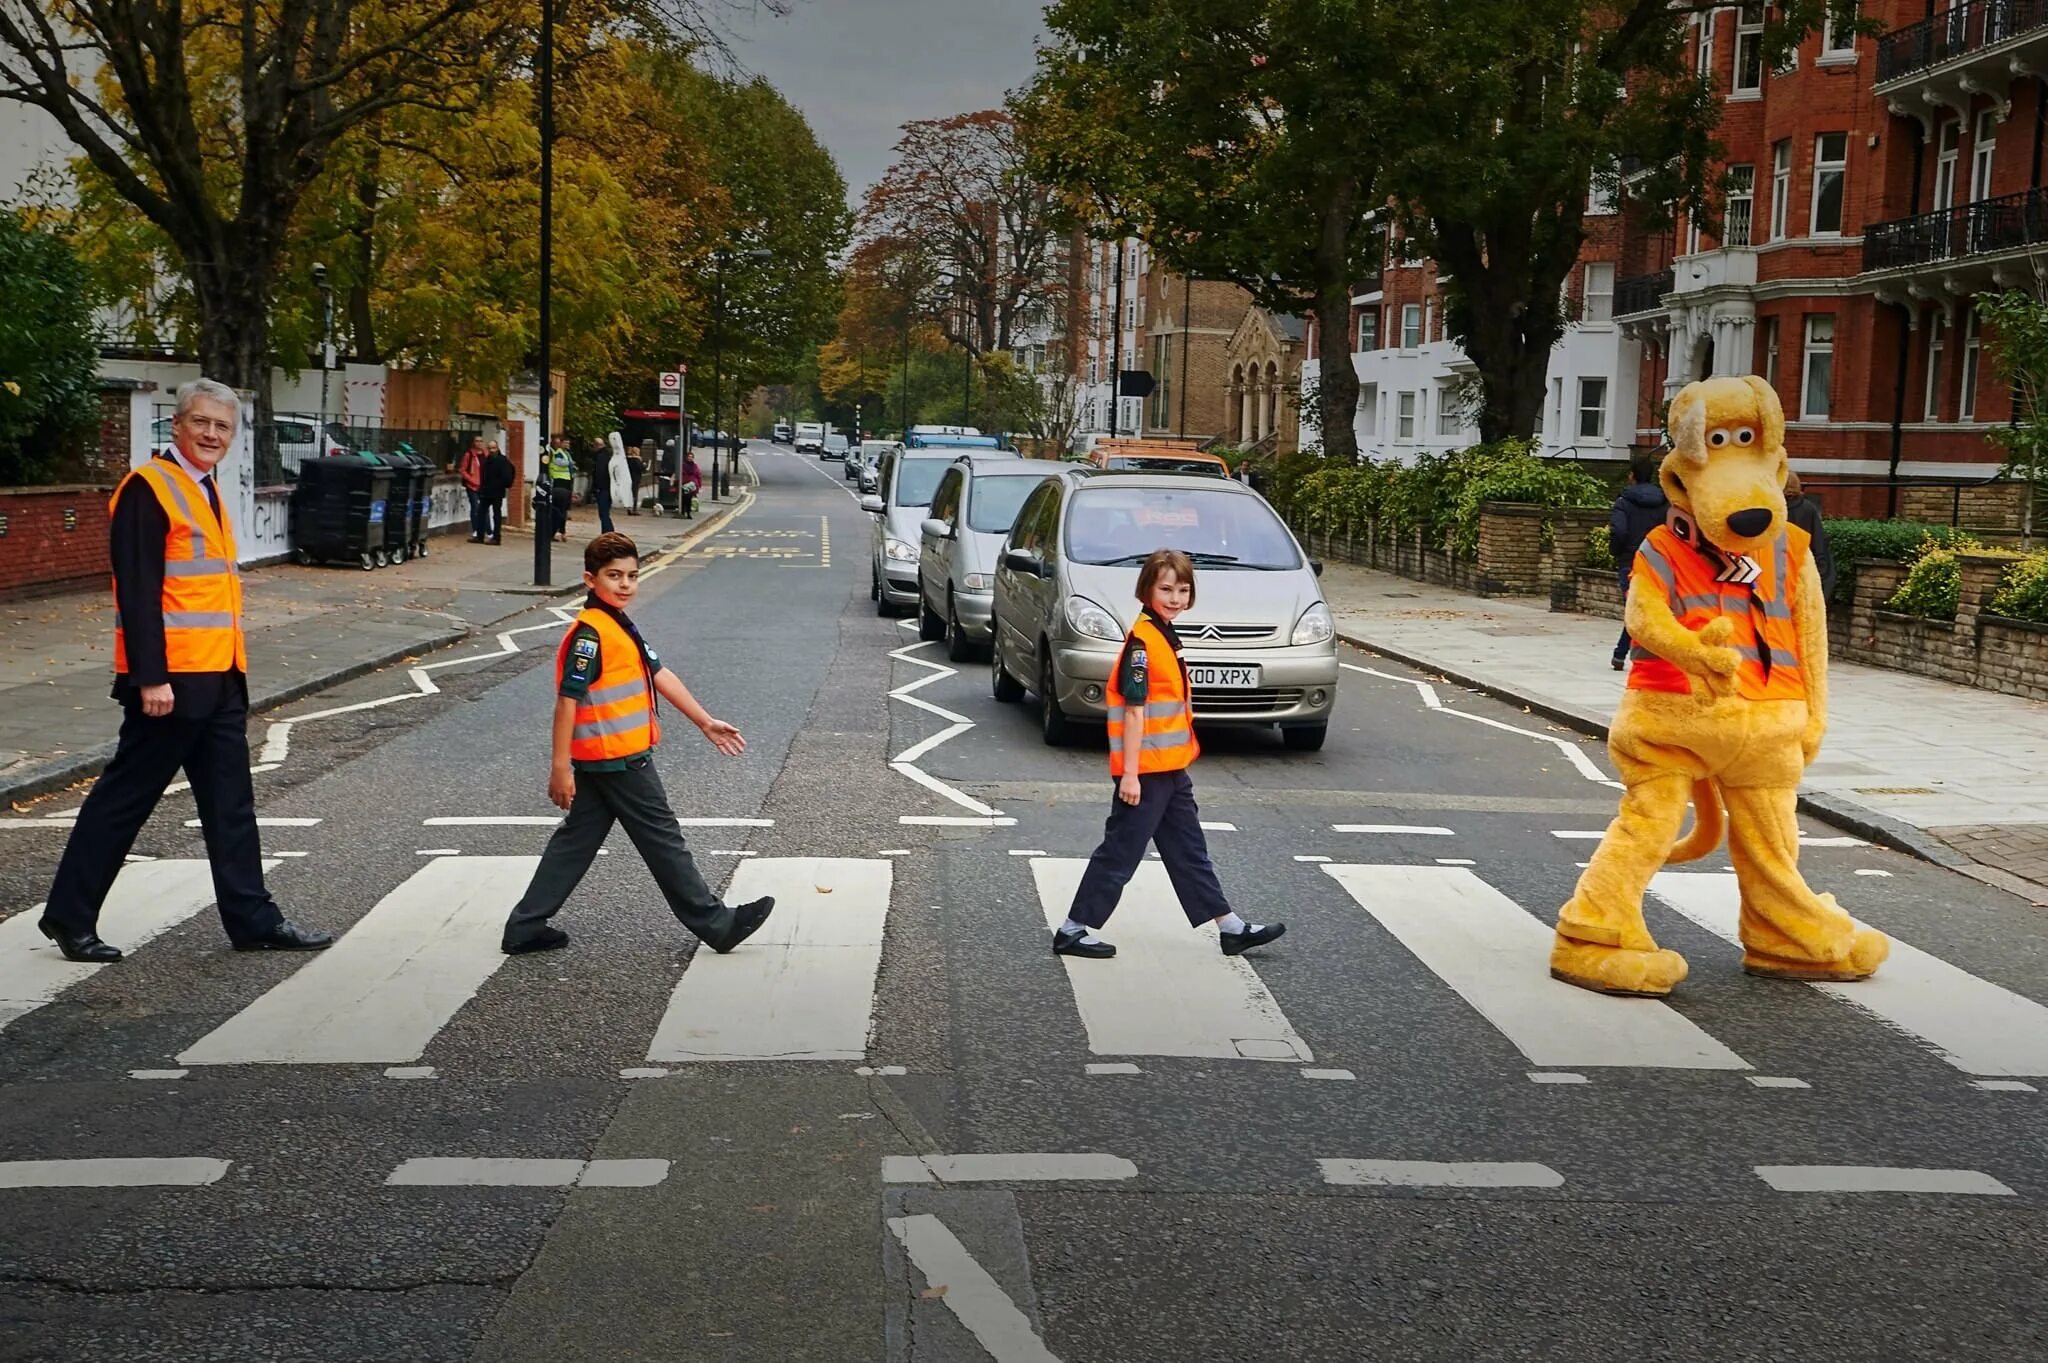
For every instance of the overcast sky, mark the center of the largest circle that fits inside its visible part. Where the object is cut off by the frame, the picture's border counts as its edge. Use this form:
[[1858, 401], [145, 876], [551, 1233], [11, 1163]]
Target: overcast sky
[[860, 69]]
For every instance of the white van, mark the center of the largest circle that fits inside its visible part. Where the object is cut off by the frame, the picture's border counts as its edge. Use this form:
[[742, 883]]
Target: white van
[[810, 437]]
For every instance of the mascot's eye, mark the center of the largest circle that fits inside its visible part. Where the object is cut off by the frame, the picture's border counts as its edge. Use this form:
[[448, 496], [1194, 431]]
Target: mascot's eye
[[1744, 436], [1717, 438]]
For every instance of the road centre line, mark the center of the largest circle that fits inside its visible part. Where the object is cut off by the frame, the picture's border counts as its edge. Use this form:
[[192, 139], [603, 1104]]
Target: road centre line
[[1860, 1178], [904, 763], [269, 823], [957, 821], [1005, 1168], [112, 1173], [1394, 1173], [1572, 752], [457, 1172], [975, 1299], [934, 784]]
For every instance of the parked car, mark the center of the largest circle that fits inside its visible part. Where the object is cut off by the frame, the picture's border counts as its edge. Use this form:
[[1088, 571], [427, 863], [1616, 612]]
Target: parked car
[[835, 446], [865, 468], [783, 434], [1261, 644], [1145, 456], [906, 482], [959, 540]]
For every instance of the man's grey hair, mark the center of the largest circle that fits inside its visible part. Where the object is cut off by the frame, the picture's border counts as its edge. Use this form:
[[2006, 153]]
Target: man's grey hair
[[212, 391]]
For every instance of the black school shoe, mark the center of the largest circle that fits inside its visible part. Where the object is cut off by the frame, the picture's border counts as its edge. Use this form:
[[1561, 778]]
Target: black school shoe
[[1237, 943], [746, 921], [1070, 942], [547, 939]]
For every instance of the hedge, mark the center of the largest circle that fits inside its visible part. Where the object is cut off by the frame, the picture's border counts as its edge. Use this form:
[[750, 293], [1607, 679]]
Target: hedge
[[1898, 541]]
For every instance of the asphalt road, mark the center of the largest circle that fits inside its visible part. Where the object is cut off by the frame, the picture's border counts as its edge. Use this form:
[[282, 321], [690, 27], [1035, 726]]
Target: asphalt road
[[1385, 1137]]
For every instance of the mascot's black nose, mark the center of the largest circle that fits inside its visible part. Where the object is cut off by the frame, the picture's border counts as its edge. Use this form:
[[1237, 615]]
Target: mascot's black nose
[[1751, 523]]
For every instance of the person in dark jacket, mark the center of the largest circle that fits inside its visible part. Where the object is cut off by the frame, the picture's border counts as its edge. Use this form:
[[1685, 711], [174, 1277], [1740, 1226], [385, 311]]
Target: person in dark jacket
[[1639, 509], [499, 477], [1804, 512]]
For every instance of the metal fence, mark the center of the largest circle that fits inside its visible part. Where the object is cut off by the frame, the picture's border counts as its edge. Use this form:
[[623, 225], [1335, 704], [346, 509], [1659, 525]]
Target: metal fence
[[2009, 222], [1962, 28], [1643, 293]]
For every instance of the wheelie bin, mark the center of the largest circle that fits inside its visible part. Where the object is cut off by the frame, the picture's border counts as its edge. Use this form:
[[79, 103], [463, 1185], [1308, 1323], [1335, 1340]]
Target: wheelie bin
[[401, 507], [338, 511]]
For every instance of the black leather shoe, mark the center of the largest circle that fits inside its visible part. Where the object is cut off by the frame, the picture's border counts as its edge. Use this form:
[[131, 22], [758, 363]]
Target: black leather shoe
[[288, 936], [1237, 943], [1068, 942], [547, 939], [85, 947], [746, 921]]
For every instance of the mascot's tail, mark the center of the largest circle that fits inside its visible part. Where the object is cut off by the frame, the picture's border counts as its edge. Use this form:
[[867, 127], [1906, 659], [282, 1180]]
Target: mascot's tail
[[1709, 822]]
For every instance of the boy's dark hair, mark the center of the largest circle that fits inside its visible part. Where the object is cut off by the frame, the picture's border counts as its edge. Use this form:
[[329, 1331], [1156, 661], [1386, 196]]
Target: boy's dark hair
[[1642, 470], [609, 547], [1157, 562]]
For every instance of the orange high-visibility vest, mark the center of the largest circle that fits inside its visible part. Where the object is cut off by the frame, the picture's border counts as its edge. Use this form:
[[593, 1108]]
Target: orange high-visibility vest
[[202, 597], [617, 716], [1765, 635], [1165, 710]]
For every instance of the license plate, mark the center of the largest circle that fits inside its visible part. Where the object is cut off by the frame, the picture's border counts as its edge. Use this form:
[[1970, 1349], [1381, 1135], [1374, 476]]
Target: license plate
[[1219, 678]]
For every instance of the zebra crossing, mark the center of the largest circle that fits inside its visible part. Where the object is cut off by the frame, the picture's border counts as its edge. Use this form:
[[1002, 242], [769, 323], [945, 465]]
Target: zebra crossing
[[805, 988]]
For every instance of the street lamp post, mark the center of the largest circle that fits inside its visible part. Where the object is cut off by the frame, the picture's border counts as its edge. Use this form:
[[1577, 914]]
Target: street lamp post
[[326, 341], [543, 524]]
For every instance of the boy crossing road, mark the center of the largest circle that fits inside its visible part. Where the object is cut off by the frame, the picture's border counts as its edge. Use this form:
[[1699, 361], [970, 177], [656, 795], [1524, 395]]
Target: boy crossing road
[[607, 724]]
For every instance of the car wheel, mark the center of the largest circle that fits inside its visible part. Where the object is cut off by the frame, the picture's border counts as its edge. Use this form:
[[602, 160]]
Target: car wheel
[[930, 627], [874, 585], [1305, 737], [958, 648], [1053, 723], [1001, 684]]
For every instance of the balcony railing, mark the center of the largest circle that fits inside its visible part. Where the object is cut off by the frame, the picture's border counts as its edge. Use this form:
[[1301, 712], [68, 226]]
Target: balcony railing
[[1642, 293], [1962, 28], [2008, 223]]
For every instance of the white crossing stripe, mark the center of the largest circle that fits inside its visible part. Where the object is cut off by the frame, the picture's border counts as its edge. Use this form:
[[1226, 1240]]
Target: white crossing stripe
[[1005, 1168], [1977, 1026], [1858, 1178], [382, 992], [1399, 1173], [1396, 829], [111, 1173], [269, 822], [444, 1172], [1169, 990], [803, 987], [975, 1299], [1482, 944], [149, 898]]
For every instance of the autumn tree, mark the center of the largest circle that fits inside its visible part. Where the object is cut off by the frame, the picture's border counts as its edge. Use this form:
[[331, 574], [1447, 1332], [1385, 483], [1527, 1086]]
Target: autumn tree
[[1241, 141], [47, 354]]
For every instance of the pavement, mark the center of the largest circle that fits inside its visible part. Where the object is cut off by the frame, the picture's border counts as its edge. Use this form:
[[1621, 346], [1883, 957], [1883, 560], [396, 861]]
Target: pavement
[[1949, 773], [308, 627], [894, 1128]]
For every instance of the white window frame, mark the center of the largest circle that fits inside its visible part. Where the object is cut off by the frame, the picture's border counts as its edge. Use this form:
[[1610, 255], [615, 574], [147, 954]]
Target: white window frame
[[1937, 327], [1835, 45], [1695, 239], [1369, 409], [1599, 292], [1406, 416], [1983, 154], [1771, 351], [1596, 408], [1411, 312], [1557, 410], [1817, 348], [1749, 38], [1948, 159], [1781, 188], [1703, 53], [1447, 421], [1839, 171], [1366, 317], [1741, 190], [1973, 346], [1428, 320]]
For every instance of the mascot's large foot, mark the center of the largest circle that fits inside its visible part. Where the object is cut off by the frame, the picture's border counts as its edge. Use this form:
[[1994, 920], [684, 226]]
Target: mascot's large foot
[[1867, 951], [1616, 970]]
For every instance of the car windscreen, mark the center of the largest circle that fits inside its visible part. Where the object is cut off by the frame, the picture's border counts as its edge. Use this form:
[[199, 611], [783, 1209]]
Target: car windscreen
[[1157, 464], [992, 506], [917, 479], [1121, 525]]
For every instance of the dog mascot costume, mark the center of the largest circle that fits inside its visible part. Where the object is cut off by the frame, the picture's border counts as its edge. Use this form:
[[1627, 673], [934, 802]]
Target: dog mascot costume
[[1726, 704]]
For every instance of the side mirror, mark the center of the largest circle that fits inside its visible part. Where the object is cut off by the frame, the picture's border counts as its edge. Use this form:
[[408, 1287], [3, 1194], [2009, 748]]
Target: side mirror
[[1317, 565], [1018, 561], [871, 504], [934, 528]]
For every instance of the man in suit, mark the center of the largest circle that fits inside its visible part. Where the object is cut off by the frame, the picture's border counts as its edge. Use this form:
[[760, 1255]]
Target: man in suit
[[180, 673]]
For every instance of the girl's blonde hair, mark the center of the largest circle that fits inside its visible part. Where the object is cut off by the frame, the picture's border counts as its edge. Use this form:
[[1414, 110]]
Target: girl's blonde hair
[[1159, 561]]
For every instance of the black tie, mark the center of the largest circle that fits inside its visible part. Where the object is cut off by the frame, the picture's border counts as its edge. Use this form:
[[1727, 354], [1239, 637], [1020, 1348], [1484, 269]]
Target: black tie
[[212, 496]]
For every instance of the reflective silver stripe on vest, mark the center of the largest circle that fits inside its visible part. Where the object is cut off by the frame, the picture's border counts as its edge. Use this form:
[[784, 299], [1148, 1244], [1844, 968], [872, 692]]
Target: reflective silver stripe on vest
[[1168, 738], [1116, 714], [197, 567], [609, 728], [1639, 653], [1658, 562], [609, 695], [1696, 603], [1163, 709], [1779, 657], [199, 620], [177, 490]]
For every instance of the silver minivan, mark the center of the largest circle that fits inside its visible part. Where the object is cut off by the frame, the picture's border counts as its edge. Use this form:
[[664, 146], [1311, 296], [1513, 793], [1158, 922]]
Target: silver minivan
[[1260, 643], [907, 480], [962, 534]]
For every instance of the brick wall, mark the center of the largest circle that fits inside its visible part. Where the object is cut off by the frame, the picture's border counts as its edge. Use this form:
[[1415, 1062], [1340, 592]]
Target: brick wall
[[1510, 550], [53, 538]]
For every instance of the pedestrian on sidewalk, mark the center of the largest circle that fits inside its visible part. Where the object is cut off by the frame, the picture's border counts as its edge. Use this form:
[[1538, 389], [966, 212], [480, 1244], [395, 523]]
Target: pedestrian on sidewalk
[[1151, 744], [499, 476], [1639, 509], [470, 468], [180, 674], [689, 485], [636, 469], [599, 460], [607, 723], [1804, 512], [562, 475]]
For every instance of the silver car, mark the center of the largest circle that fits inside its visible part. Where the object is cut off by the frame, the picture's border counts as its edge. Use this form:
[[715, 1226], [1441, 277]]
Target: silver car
[[959, 541], [1261, 645], [908, 479], [865, 464]]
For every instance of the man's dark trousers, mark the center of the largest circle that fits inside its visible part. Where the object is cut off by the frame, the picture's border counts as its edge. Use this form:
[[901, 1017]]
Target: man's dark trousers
[[632, 797], [213, 748], [1166, 815]]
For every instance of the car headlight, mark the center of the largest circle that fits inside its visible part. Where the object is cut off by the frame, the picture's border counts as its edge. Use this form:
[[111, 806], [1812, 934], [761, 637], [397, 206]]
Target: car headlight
[[899, 551], [1092, 620], [978, 582], [1315, 625]]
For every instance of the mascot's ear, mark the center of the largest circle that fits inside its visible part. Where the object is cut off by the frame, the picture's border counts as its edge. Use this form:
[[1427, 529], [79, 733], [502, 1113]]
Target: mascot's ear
[[1688, 423], [1769, 410]]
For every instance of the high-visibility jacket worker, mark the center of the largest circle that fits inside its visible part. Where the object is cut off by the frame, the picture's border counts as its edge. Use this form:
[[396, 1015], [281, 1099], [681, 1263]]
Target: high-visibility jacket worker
[[1702, 584], [561, 465], [616, 713], [202, 592], [1149, 687]]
